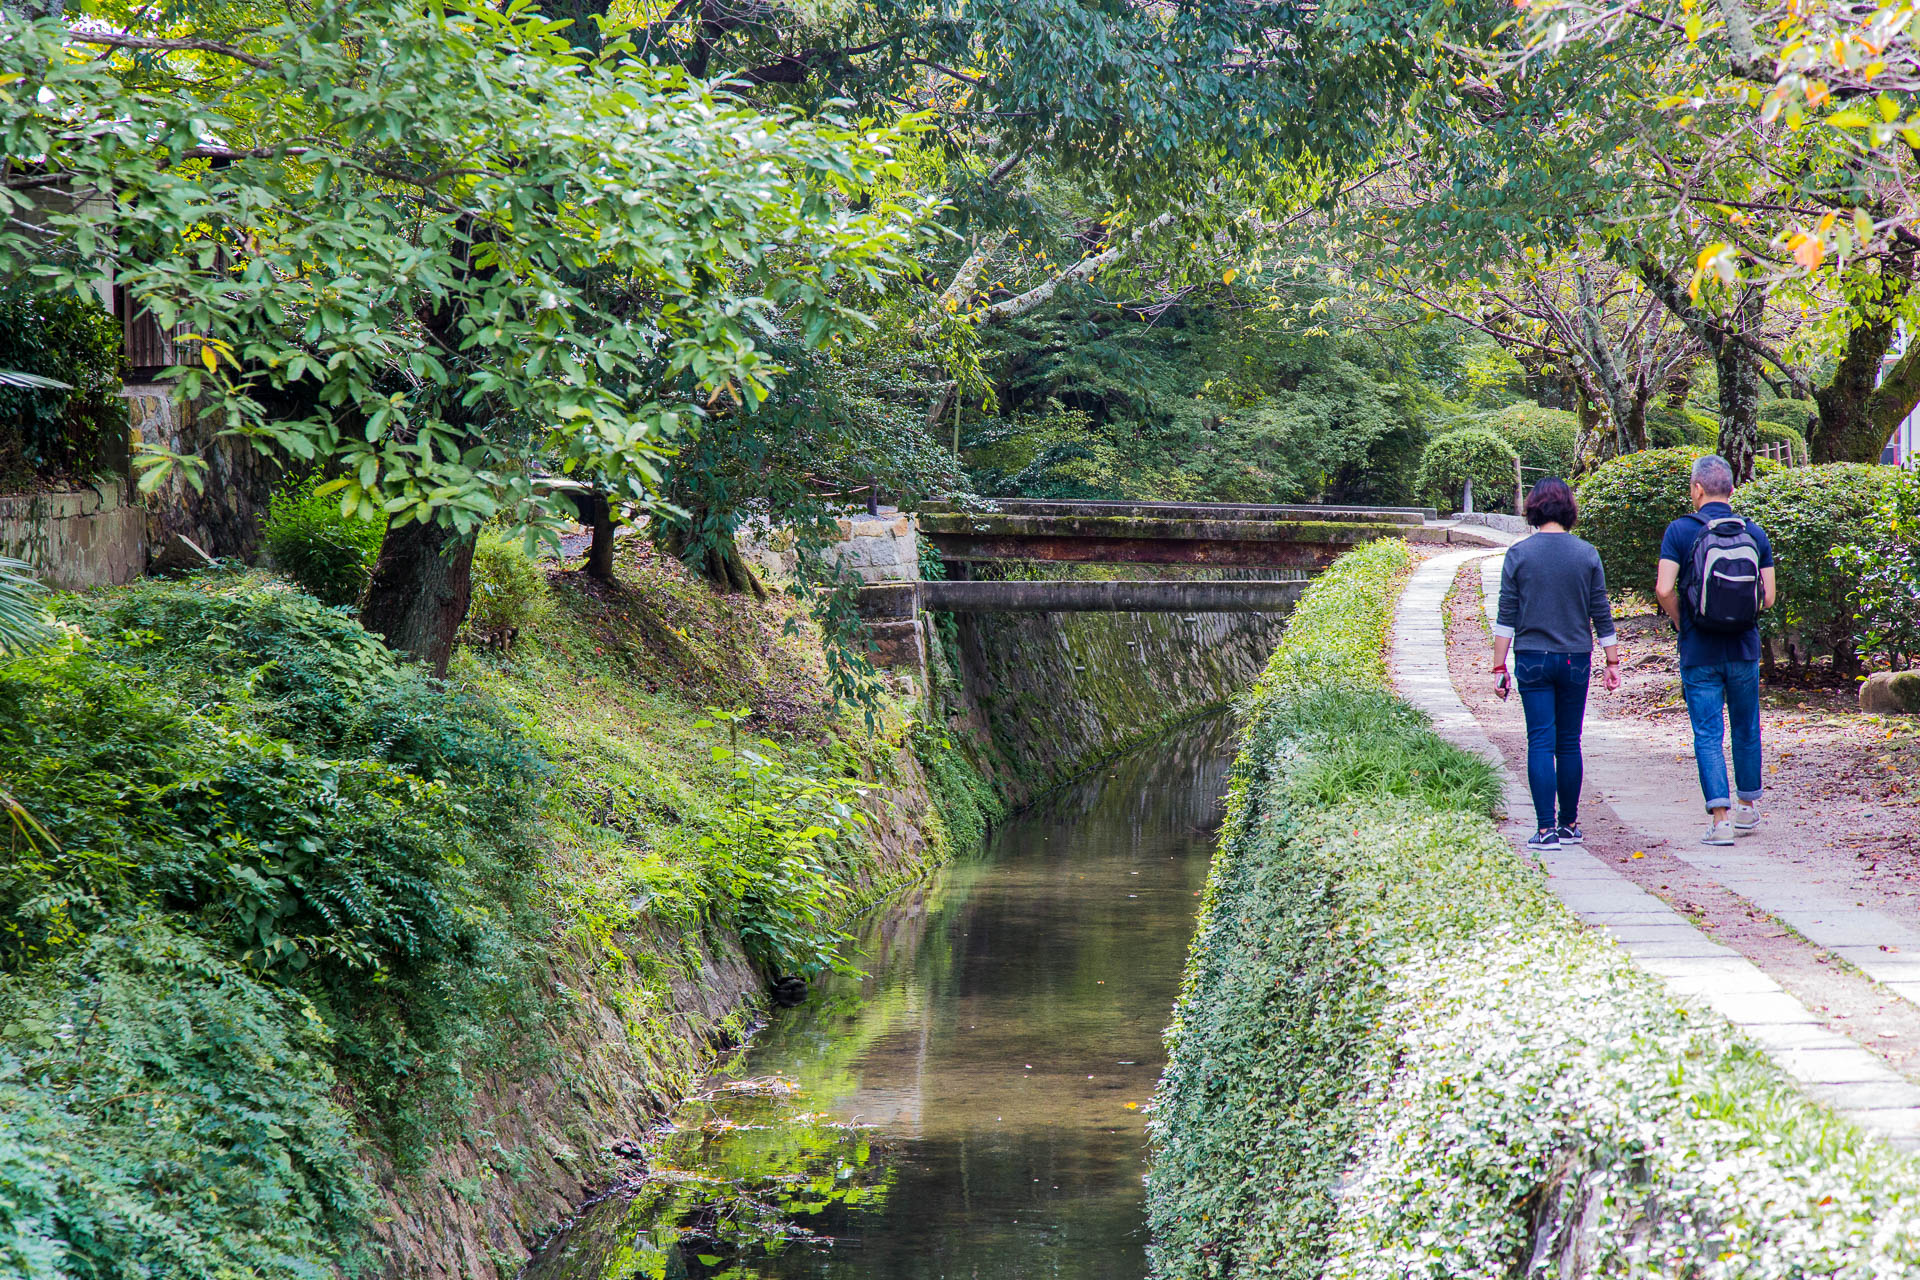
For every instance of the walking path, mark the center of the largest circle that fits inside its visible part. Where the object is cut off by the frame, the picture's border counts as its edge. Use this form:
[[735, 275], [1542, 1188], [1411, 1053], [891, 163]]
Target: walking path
[[1831, 1066]]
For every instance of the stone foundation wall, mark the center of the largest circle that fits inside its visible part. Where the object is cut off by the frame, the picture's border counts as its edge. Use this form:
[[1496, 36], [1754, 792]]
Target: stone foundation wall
[[77, 538], [1049, 695], [880, 548], [223, 517]]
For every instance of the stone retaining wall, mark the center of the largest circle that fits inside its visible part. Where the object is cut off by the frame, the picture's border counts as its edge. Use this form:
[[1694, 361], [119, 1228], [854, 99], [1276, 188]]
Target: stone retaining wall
[[76, 538], [880, 548]]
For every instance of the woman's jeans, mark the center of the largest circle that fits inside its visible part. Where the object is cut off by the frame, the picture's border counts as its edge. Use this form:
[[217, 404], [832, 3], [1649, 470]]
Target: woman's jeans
[[1733, 687], [1553, 693]]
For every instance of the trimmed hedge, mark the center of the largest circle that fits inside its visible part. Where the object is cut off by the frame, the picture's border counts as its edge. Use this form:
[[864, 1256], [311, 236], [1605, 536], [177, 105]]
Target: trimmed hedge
[[1808, 513], [1627, 504], [1544, 438], [1397, 1055], [1473, 452]]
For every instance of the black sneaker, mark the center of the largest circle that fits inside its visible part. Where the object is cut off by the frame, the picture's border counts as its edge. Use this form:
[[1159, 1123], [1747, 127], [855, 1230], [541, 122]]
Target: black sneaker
[[1572, 837], [1544, 841]]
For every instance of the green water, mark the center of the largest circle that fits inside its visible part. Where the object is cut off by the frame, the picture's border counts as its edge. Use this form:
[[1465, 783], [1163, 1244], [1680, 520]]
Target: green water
[[973, 1106]]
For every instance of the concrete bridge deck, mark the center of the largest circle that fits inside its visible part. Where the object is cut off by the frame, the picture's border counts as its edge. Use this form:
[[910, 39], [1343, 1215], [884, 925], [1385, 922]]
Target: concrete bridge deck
[[1217, 534], [904, 599]]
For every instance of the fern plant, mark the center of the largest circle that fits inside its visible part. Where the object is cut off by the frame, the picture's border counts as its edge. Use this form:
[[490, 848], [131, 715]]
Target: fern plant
[[23, 621]]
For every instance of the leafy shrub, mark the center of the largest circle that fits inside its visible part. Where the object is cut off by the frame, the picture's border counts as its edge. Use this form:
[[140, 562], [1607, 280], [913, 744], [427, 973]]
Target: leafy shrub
[[47, 433], [1544, 438], [776, 850], [510, 591], [1808, 512], [263, 771], [1886, 574], [165, 1112], [1626, 506], [330, 555], [1474, 453]]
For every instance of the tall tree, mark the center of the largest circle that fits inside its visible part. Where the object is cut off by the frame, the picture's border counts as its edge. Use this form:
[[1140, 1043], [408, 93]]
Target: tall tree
[[475, 260]]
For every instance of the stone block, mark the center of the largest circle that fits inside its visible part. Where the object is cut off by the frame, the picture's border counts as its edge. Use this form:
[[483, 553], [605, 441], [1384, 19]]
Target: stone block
[[1891, 693], [897, 644]]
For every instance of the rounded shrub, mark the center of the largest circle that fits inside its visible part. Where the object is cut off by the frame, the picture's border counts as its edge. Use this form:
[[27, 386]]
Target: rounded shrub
[[1808, 513], [1544, 438], [1778, 433], [1669, 428], [510, 592], [329, 555], [1474, 453], [1627, 504]]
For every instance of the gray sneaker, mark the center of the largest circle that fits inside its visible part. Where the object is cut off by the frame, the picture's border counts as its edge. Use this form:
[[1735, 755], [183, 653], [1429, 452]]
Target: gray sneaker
[[1746, 817], [1544, 841], [1720, 832]]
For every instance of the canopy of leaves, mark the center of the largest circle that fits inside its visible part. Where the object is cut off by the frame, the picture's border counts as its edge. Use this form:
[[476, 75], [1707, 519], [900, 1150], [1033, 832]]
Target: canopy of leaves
[[432, 247], [1200, 402]]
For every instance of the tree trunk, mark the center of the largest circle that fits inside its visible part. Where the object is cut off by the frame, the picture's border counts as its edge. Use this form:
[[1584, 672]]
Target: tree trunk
[[1737, 366], [1844, 417], [1637, 418], [422, 586], [719, 563], [1739, 408], [600, 551], [596, 513], [1589, 446]]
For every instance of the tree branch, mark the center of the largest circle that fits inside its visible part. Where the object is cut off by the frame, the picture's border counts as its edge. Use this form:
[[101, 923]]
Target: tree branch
[[116, 40], [1086, 268]]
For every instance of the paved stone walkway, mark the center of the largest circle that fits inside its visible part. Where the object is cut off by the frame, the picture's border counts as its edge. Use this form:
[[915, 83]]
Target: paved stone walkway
[[1761, 868], [1828, 1065]]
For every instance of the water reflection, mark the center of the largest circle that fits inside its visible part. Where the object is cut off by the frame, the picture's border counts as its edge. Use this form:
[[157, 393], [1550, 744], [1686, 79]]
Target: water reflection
[[970, 1107]]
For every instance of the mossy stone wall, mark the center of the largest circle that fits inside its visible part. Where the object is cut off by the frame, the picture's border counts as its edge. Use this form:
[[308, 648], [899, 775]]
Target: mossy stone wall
[[1052, 694]]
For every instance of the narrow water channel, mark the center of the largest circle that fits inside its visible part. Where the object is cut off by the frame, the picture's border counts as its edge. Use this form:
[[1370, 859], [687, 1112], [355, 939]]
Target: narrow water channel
[[973, 1105]]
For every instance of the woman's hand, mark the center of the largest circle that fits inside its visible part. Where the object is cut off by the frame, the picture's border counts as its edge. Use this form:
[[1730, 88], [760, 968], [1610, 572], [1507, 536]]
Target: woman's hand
[[1612, 678]]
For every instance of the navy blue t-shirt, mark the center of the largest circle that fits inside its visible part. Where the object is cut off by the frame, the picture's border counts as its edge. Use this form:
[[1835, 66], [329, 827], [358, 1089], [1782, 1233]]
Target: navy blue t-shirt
[[1701, 648]]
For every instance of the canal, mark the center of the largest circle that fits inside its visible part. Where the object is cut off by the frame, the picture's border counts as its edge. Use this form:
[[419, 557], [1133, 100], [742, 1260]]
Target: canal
[[973, 1105]]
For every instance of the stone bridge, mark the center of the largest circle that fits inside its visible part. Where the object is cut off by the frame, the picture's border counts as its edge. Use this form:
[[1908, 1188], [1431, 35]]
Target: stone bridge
[[1294, 541]]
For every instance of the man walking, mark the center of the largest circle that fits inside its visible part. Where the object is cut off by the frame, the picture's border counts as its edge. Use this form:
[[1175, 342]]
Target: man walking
[[1716, 574]]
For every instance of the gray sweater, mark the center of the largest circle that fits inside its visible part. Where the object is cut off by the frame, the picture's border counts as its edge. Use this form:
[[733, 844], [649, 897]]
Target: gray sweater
[[1551, 589]]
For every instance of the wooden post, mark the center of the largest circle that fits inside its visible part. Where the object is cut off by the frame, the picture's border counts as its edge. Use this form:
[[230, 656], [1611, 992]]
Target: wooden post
[[1519, 490]]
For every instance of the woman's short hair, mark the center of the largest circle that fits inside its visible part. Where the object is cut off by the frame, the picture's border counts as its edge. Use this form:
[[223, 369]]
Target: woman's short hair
[[1551, 502]]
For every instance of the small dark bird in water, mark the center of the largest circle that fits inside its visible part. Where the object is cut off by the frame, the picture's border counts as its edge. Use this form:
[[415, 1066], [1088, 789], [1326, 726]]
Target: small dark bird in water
[[789, 991]]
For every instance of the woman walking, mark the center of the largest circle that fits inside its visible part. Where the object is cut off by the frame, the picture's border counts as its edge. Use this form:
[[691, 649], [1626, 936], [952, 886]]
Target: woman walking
[[1553, 602]]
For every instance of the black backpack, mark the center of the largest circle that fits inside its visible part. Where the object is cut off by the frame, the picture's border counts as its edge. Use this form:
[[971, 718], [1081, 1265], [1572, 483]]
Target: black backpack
[[1724, 589]]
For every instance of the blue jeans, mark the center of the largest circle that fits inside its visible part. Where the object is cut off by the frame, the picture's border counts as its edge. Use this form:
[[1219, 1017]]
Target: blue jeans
[[1553, 694], [1732, 687]]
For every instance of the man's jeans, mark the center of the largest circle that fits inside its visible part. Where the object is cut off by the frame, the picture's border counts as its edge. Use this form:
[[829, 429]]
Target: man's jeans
[[1734, 687], [1553, 695]]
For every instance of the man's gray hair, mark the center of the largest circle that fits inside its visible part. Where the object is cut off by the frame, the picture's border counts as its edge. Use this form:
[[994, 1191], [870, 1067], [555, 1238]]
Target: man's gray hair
[[1713, 474]]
